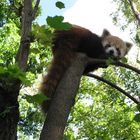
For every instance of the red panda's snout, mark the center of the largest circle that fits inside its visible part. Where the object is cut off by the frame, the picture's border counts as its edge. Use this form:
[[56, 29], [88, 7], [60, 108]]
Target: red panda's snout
[[113, 52]]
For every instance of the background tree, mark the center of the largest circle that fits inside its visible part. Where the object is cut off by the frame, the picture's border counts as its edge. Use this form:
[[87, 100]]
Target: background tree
[[12, 75]]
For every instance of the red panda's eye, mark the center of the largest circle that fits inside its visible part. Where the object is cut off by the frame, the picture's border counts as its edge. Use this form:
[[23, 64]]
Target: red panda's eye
[[118, 50], [107, 46]]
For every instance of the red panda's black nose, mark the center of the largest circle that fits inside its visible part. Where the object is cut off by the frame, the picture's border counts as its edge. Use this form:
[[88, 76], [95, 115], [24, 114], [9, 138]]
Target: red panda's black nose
[[111, 52]]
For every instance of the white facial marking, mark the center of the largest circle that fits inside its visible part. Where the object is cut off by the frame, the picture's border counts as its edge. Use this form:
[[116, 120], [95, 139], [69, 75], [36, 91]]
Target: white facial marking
[[112, 51]]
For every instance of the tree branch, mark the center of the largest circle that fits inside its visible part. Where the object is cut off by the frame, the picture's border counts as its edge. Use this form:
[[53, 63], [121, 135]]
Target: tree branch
[[114, 86], [135, 10], [35, 9], [63, 100], [23, 52], [64, 97], [117, 63], [28, 15]]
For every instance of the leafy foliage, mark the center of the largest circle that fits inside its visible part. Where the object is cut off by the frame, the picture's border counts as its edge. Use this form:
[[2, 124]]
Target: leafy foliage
[[9, 42], [13, 72], [30, 123], [100, 112], [57, 23], [128, 21]]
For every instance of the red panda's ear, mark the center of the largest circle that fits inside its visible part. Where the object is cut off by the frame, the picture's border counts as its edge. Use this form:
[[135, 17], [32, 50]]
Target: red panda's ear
[[105, 33], [128, 45]]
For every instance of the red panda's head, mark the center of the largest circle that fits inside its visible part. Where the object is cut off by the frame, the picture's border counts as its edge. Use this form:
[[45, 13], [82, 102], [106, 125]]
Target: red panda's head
[[114, 46]]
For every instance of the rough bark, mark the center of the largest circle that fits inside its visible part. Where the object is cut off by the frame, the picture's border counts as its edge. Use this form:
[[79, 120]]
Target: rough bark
[[23, 52], [9, 112], [63, 100]]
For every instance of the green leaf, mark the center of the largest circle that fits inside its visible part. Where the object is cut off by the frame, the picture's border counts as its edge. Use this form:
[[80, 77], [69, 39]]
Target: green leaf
[[52, 21], [34, 50], [56, 22], [124, 60], [137, 117], [38, 98], [13, 72], [109, 61], [60, 5], [138, 107]]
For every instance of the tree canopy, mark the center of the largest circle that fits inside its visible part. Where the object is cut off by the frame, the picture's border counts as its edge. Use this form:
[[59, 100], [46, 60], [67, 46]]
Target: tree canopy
[[100, 111]]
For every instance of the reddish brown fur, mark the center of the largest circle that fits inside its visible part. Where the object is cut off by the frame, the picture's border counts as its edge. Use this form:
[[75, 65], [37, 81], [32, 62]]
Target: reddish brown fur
[[73, 35], [54, 75], [66, 44]]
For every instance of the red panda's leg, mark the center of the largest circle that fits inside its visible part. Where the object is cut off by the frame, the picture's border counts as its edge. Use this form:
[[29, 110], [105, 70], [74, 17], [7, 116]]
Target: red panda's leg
[[61, 61]]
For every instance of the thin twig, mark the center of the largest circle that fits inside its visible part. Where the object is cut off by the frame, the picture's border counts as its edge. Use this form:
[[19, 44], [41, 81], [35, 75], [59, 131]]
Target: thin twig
[[114, 86], [35, 9], [135, 10], [127, 66]]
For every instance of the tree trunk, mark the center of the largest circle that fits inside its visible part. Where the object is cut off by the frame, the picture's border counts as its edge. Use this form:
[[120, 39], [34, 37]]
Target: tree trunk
[[63, 100], [9, 90], [9, 112]]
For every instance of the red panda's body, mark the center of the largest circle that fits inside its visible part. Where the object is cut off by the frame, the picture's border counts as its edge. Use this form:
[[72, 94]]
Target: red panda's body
[[66, 44], [79, 39]]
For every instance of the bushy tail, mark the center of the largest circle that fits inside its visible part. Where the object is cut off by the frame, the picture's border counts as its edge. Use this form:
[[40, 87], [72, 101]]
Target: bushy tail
[[60, 63]]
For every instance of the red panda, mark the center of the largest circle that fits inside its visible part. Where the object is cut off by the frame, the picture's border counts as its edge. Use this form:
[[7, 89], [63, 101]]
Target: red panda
[[78, 39]]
